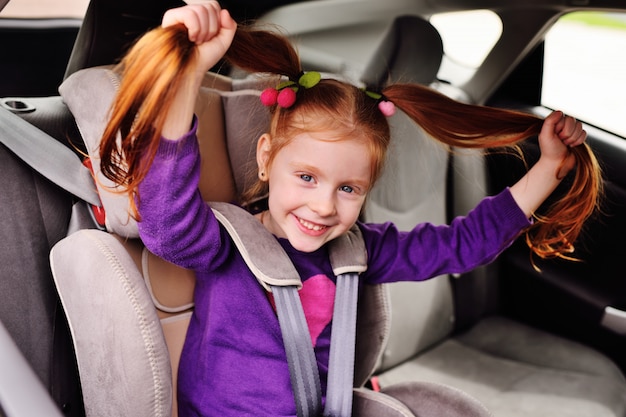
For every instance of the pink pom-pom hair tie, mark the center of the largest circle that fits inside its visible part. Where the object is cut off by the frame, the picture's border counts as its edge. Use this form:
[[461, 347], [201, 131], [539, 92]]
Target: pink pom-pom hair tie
[[386, 107], [285, 94], [269, 96]]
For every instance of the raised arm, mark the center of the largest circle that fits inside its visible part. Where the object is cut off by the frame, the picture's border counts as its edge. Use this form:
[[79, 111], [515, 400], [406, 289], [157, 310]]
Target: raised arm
[[212, 30]]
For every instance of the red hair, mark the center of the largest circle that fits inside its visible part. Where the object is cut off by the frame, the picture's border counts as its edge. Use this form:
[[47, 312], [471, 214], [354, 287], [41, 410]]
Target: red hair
[[152, 72], [144, 96]]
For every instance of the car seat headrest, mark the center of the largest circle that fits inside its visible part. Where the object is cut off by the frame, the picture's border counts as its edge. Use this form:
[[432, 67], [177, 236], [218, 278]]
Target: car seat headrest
[[230, 120], [411, 51]]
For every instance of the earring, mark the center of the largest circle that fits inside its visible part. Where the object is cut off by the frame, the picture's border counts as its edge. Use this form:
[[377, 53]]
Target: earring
[[262, 175]]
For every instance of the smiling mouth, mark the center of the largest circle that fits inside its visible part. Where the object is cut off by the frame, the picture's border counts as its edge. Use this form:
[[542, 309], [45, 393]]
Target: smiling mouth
[[312, 226]]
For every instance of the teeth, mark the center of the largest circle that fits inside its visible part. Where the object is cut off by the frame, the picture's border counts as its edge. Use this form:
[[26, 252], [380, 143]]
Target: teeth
[[311, 226]]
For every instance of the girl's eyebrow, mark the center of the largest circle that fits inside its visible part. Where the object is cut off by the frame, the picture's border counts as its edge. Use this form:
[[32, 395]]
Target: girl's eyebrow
[[304, 166]]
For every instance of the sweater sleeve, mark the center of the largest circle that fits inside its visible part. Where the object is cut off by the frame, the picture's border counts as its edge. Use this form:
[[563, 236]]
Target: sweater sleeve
[[429, 250], [175, 223]]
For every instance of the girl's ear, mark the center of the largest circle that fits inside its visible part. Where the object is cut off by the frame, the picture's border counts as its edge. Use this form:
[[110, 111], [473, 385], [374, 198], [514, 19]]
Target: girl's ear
[[263, 148]]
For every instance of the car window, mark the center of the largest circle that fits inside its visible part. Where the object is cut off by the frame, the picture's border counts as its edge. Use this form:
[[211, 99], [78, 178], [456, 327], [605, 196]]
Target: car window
[[468, 36], [584, 68], [467, 39], [40, 9]]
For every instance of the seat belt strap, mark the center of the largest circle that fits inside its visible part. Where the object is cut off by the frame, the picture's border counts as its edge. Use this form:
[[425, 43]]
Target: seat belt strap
[[47, 156], [348, 257], [305, 379], [343, 342]]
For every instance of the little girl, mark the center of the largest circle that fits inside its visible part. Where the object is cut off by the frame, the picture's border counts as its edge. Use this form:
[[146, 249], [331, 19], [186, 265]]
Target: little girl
[[322, 155]]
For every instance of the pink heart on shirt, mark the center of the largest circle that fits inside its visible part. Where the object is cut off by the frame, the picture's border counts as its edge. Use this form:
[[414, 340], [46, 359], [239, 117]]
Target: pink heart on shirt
[[318, 299]]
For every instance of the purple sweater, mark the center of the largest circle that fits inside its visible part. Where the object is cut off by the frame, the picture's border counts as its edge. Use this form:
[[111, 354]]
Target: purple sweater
[[234, 362]]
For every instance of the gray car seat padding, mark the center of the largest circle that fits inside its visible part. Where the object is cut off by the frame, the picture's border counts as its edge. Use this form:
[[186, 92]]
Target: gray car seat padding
[[263, 266], [213, 107], [122, 356], [427, 399], [419, 399]]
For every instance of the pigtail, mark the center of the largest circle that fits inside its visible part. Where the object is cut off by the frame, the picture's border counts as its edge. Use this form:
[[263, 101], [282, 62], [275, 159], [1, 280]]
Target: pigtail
[[553, 235], [278, 58], [459, 124], [467, 126], [151, 73]]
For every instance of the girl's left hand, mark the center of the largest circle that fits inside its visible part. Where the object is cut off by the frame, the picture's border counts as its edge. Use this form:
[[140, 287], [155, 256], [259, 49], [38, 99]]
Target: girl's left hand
[[559, 133]]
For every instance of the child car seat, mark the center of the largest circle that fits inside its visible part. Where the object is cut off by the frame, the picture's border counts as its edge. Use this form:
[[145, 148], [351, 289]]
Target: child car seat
[[121, 348]]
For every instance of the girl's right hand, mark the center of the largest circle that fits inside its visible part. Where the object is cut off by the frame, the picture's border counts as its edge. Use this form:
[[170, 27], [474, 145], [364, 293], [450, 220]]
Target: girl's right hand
[[209, 26], [212, 30]]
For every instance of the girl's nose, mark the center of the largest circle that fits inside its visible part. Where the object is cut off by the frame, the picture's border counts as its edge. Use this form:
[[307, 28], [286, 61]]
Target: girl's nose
[[323, 204]]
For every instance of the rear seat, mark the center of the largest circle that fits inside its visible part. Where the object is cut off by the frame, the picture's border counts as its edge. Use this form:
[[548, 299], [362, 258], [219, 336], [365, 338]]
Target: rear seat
[[513, 369]]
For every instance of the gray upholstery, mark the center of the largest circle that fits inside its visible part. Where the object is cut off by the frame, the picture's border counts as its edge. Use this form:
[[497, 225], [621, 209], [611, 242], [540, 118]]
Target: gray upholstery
[[408, 39], [34, 217], [91, 117], [125, 369], [245, 119], [121, 353], [374, 404], [513, 369], [519, 371], [428, 399], [418, 399], [412, 190]]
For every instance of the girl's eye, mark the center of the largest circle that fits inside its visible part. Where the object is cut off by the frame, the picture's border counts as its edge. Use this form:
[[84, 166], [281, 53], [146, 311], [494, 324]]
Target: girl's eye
[[305, 177], [346, 189]]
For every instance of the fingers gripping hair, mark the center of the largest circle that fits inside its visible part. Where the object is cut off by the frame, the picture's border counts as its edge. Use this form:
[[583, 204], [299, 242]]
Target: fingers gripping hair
[[151, 73]]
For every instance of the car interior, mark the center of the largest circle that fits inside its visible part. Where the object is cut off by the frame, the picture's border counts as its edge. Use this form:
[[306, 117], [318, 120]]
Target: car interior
[[523, 336]]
